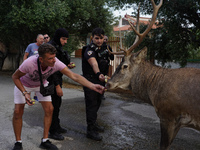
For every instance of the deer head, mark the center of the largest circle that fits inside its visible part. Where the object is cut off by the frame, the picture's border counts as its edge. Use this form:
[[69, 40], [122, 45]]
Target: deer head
[[131, 61]]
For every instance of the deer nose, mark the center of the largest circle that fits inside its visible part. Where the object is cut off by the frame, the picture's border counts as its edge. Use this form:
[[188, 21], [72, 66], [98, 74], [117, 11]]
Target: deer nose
[[107, 85]]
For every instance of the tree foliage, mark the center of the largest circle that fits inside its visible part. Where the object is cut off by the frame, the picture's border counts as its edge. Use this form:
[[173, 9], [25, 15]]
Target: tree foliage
[[22, 20], [181, 20], [88, 14]]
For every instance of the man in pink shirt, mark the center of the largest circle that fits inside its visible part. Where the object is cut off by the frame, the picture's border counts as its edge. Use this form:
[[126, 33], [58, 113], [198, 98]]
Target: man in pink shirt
[[26, 79]]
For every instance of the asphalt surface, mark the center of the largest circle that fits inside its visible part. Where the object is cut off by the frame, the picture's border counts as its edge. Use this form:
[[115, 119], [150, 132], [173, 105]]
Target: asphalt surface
[[129, 123]]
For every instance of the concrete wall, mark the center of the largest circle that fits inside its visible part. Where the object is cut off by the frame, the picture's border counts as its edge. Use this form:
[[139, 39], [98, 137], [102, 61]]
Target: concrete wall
[[77, 69], [10, 62]]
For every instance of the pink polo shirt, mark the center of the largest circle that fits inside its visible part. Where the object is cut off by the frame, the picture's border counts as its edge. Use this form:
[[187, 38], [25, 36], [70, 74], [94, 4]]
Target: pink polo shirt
[[30, 67]]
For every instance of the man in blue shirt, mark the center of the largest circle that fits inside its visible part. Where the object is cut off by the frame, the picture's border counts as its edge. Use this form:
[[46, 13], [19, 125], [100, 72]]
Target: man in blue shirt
[[32, 48]]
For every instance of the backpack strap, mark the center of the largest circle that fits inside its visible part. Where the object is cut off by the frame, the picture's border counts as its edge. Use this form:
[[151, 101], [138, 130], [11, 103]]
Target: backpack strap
[[39, 70]]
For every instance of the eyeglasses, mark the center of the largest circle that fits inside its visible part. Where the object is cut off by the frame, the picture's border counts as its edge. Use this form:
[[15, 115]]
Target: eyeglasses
[[46, 37]]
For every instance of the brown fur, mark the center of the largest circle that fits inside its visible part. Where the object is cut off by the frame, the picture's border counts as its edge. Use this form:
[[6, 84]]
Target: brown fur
[[174, 93]]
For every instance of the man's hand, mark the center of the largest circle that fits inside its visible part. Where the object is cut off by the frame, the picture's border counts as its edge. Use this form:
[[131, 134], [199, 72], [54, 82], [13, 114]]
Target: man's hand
[[28, 99], [98, 88], [71, 65], [59, 91]]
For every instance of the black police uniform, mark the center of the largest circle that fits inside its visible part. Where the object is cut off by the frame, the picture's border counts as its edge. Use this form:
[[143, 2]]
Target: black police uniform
[[92, 98]]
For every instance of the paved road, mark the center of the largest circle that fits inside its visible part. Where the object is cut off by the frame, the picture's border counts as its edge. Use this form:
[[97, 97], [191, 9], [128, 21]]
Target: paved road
[[129, 123]]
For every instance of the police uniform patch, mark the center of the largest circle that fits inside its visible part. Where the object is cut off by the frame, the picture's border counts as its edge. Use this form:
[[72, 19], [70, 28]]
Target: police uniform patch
[[89, 53]]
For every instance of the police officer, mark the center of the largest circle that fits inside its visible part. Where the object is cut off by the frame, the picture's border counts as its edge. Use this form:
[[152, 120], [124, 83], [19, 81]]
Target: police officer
[[93, 67]]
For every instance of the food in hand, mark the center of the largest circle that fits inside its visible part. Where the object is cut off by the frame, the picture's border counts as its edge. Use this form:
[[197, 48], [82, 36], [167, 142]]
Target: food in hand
[[32, 101], [106, 78], [73, 65], [105, 89]]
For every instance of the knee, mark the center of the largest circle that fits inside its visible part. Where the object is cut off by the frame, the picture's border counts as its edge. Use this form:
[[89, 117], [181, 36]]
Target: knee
[[49, 111], [18, 113]]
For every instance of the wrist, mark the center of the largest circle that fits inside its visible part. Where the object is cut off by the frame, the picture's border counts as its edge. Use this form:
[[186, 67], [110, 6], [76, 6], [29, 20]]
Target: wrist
[[98, 74], [58, 86], [24, 92]]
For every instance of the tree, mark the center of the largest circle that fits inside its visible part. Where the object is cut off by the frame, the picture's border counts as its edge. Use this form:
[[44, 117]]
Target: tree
[[180, 19], [87, 15], [22, 20]]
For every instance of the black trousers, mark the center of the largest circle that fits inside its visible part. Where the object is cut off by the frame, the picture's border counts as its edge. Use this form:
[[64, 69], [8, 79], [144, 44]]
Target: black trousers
[[56, 101], [92, 101]]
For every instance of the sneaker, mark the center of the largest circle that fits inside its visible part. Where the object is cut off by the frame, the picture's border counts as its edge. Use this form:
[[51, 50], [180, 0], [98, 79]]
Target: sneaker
[[62, 130], [94, 135], [47, 145], [18, 146], [56, 136]]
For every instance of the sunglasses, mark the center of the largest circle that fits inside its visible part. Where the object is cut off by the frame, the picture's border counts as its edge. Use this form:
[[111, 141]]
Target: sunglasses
[[46, 37]]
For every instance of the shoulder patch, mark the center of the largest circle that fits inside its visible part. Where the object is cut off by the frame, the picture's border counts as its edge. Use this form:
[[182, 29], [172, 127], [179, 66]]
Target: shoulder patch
[[89, 53]]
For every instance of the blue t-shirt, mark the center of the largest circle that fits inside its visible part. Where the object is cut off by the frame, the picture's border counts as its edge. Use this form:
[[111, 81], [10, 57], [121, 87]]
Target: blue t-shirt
[[32, 49]]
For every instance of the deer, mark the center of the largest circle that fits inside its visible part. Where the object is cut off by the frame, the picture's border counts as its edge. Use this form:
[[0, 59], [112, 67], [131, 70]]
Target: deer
[[174, 93]]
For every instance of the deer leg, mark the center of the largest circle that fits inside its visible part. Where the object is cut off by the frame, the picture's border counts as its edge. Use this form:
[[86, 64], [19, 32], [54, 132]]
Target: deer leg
[[168, 132]]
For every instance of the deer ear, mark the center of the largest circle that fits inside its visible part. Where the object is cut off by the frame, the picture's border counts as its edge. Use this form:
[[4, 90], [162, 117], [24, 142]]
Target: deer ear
[[142, 54]]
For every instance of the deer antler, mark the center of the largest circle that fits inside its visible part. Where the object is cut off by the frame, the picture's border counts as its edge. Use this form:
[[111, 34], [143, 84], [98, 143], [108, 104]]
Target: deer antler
[[117, 53], [137, 30], [141, 36]]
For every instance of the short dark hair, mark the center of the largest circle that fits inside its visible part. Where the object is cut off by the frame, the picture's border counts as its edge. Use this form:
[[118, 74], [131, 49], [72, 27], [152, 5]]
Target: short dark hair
[[46, 48], [98, 32]]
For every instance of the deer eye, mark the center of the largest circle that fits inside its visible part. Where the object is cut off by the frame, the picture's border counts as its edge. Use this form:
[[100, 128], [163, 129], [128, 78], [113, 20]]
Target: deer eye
[[125, 66]]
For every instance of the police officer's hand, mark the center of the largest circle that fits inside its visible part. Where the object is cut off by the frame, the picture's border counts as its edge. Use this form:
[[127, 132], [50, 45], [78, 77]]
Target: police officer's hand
[[59, 90], [106, 78], [102, 78]]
